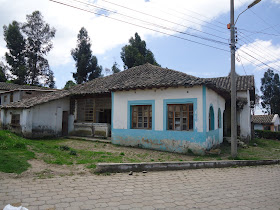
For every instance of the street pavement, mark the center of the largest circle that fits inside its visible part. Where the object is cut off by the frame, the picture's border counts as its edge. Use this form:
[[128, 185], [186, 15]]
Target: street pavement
[[227, 188]]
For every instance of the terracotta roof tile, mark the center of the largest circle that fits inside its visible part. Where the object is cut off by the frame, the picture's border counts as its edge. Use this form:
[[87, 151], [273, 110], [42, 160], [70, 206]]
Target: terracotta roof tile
[[262, 119]]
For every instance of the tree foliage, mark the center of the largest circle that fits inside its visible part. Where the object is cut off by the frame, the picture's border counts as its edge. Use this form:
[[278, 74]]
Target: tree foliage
[[136, 53], [115, 68], [15, 56], [3, 77], [86, 64], [28, 44], [38, 44], [270, 88], [69, 84]]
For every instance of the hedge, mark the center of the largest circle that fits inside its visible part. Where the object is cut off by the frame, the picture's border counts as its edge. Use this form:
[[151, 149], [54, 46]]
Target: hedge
[[267, 134]]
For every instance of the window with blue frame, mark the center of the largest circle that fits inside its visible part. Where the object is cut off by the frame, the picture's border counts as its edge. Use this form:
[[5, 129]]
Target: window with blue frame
[[219, 118], [211, 119], [141, 117], [180, 117]]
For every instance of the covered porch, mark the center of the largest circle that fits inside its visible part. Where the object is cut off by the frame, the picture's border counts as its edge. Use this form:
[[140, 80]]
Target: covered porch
[[91, 115]]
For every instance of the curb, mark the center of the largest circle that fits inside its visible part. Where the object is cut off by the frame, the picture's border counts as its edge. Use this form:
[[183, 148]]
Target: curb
[[170, 166]]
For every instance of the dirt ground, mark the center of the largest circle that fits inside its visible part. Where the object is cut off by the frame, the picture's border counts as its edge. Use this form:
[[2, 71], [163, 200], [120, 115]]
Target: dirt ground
[[40, 169]]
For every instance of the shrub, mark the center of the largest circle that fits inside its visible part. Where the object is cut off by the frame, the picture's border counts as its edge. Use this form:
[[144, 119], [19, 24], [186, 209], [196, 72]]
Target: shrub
[[267, 134], [64, 148], [73, 152]]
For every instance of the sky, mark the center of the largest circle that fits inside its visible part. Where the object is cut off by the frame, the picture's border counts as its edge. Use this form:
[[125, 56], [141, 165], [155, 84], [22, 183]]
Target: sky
[[173, 30]]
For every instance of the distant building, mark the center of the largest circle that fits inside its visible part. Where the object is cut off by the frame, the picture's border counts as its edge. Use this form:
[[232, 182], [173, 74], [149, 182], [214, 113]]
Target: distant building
[[266, 122]]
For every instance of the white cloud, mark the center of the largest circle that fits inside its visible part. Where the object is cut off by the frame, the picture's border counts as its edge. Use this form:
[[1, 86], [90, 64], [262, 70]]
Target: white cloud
[[264, 52], [276, 1], [107, 33]]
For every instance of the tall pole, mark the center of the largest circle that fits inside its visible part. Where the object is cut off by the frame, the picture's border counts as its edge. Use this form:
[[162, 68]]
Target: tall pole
[[233, 84]]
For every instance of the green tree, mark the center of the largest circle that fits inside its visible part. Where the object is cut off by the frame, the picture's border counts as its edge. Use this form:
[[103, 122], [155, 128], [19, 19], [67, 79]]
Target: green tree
[[69, 84], [115, 68], [136, 53], [15, 57], [38, 44], [86, 64], [3, 77], [271, 92]]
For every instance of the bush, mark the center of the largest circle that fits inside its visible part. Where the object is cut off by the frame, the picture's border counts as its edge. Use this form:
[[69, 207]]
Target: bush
[[267, 134], [64, 148]]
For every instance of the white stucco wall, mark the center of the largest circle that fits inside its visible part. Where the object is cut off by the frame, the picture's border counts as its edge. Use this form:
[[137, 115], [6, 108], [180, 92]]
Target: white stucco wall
[[245, 116], [16, 97], [121, 99], [217, 101], [47, 117]]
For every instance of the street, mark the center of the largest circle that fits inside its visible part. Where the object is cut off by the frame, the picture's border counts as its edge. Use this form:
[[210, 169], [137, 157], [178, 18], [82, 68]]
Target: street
[[227, 188]]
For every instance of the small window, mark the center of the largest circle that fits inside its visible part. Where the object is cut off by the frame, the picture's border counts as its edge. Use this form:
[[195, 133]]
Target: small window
[[141, 117], [219, 118], [11, 97], [180, 117], [5, 98], [211, 119], [15, 119]]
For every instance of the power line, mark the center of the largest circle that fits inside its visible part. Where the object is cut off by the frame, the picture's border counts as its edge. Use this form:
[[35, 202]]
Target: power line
[[260, 30], [169, 14], [159, 18], [260, 56], [258, 47], [157, 25], [242, 64], [75, 7], [257, 59], [257, 32]]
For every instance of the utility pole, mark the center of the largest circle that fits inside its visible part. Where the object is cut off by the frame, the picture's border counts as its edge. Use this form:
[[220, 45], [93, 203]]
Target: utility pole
[[233, 75], [233, 83]]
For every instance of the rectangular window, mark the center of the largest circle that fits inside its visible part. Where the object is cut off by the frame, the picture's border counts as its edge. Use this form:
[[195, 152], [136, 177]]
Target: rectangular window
[[15, 120], [141, 117], [5, 98], [180, 117]]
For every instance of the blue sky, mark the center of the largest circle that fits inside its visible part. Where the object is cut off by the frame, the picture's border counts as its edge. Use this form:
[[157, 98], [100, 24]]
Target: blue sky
[[109, 36]]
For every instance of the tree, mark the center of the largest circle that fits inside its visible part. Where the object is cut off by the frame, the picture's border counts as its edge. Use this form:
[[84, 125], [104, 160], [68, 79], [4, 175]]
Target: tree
[[115, 68], [136, 53], [38, 44], [3, 77], [86, 63], [271, 92], [69, 84], [15, 57]]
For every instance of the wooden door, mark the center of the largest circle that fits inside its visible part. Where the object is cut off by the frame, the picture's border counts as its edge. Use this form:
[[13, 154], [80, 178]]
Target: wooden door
[[65, 123]]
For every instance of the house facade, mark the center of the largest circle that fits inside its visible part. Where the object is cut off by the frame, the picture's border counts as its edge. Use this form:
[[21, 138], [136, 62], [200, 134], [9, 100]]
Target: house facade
[[266, 122], [145, 106]]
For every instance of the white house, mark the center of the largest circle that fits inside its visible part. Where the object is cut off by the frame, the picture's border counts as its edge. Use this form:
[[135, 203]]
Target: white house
[[266, 122], [145, 106]]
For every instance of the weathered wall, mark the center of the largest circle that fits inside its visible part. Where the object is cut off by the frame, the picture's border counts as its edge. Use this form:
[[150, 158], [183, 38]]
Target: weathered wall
[[159, 137], [47, 118], [6, 117], [244, 117], [158, 95], [214, 137], [16, 97]]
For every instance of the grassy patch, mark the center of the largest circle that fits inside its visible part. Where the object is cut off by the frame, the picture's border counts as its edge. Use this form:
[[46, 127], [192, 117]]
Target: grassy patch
[[16, 151]]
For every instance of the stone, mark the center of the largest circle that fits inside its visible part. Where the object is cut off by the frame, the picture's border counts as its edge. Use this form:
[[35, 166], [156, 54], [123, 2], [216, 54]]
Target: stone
[[214, 152], [144, 172], [130, 173], [255, 144]]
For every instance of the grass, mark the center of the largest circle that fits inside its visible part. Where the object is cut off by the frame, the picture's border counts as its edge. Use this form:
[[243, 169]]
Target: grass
[[15, 152]]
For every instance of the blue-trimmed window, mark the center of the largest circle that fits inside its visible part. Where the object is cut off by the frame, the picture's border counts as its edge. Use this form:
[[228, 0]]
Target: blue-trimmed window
[[211, 119], [141, 117], [219, 118], [180, 117]]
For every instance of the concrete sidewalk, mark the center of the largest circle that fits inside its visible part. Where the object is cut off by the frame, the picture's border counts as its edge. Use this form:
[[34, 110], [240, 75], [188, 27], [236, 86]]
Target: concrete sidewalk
[[224, 188]]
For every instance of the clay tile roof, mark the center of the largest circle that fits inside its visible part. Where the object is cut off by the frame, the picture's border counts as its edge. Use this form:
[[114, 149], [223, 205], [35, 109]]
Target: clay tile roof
[[10, 86], [242, 83], [262, 119], [139, 77], [30, 102]]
